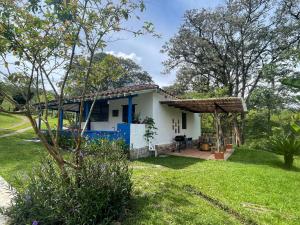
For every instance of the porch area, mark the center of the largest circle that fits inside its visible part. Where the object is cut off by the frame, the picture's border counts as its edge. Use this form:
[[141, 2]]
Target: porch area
[[195, 153]]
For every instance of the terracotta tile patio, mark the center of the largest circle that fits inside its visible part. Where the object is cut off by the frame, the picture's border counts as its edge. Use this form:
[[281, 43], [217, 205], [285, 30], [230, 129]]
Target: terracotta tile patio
[[195, 153]]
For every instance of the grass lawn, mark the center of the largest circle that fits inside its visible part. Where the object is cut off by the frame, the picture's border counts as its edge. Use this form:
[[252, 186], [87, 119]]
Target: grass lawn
[[9, 120], [252, 184], [18, 156], [252, 187]]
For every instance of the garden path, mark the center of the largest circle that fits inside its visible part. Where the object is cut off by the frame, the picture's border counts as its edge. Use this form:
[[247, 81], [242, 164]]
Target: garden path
[[6, 195]]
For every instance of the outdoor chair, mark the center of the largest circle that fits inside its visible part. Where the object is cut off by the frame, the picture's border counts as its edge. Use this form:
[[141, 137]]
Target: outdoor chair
[[152, 148]]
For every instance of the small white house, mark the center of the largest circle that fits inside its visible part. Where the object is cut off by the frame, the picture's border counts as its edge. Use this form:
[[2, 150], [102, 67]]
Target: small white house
[[119, 114]]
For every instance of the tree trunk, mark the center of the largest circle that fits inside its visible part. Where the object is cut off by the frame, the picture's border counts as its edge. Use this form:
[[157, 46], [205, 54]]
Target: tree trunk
[[236, 131], [288, 160], [242, 128]]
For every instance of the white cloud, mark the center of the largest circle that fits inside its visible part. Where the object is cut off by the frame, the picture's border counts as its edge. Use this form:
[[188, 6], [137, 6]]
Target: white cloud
[[131, 56]]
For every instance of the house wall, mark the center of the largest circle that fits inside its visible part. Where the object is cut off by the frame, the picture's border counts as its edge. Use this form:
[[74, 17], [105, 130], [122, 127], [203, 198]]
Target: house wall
[[148, 104], [137, 139], [163, 116], [143, 108]]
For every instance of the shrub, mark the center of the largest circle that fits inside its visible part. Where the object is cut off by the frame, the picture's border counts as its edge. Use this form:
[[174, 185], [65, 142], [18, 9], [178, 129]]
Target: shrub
[[288, 146], [286, 143], [98, 193], [65, 141]]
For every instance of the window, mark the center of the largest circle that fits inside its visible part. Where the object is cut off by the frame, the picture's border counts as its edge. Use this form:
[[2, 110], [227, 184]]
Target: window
[[115, 113], [100, 112], [125, 113], [183, 121]]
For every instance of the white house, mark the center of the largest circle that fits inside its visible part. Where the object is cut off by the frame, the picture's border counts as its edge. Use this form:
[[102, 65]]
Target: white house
[[119, 113]]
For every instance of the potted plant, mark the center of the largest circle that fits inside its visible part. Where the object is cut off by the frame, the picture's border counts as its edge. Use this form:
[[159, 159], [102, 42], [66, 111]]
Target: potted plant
[[136, 118], [229, 147], [219, 155]]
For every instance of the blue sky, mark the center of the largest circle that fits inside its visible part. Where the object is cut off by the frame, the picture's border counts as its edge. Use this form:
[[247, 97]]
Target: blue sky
[[167, 16]]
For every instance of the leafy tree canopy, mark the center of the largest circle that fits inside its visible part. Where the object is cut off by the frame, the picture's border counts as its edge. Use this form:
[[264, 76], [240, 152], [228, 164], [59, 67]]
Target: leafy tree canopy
[[108, 72], [237, 46]]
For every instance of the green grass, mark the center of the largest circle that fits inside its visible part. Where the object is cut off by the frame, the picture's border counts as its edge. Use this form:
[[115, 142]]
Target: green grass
[[10, 123], [9, 120], [252, 185], [17, 156]]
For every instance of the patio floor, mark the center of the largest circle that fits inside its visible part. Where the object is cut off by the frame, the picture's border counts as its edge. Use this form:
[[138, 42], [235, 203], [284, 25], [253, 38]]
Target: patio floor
[[195, 153]]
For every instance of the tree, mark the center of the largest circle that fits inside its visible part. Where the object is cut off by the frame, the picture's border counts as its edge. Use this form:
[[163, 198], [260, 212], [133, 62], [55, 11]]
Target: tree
[[231, 47], [43, 38], [108, 72]]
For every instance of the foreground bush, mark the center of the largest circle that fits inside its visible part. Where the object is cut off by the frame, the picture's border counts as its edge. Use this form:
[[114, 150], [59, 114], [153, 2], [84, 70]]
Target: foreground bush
[[98, 193]]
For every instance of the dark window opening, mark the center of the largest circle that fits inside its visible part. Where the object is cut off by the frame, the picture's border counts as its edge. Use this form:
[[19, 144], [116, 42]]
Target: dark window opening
[[115, 113], [100, 112], [125, 113], [183, 121]]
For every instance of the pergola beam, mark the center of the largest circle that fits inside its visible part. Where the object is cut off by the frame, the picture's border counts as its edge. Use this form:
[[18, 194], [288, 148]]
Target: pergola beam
[[221, 105]]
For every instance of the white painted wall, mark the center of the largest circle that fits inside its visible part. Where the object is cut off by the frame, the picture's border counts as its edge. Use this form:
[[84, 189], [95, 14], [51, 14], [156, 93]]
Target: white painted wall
[[148, 104], [143, 108], [137, 139], [163, 116]]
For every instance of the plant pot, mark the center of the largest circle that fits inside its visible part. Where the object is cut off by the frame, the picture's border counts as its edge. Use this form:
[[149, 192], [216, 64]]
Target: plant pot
[[205, 147], [219, 155], [229, 146]]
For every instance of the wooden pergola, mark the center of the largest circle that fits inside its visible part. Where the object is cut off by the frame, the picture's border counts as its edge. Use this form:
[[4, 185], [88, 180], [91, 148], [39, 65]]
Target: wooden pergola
[[211, 105]]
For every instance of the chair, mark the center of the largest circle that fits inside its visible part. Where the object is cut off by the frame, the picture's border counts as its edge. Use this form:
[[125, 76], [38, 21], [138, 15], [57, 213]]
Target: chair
[[153, 149]]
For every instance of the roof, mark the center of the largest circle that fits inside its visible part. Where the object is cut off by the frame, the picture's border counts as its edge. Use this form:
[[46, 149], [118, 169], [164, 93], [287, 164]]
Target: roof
[[209, 105], [71, 103]]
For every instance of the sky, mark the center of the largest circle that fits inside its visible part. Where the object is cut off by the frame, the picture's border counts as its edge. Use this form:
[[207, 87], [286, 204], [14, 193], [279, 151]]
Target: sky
[[167, 16]]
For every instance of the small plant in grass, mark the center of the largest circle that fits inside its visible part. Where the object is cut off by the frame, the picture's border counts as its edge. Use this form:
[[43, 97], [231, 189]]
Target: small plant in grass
[[99, 193]]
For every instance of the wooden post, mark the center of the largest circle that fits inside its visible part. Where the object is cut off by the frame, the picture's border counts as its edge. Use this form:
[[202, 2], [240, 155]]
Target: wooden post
[[217, 130]]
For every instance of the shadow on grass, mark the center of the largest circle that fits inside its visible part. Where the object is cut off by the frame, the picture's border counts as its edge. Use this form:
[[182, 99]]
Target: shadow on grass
[[173, 162], [260, 157]]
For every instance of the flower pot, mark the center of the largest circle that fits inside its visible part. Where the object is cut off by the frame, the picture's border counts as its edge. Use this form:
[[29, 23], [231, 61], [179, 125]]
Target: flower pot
[[229, 146], [219, 155], [204, 147]]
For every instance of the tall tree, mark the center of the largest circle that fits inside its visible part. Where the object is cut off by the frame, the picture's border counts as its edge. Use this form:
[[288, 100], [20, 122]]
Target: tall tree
[[232, 46], [42, 38], [108, 72]]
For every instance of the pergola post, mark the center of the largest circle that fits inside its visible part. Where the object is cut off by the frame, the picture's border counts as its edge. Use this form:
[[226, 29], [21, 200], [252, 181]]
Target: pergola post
[[130, 109], [217, 122]]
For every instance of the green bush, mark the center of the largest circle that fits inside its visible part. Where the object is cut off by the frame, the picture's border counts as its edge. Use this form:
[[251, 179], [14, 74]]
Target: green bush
[[65, 141], [98, 193], [287, 143]]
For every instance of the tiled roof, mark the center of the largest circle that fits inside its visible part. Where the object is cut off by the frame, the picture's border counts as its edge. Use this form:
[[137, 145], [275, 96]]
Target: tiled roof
[[124, 90], [113, 93]]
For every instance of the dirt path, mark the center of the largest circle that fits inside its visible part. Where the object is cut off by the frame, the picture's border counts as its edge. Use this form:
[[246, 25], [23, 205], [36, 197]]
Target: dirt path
[[16, 132], [6, 195], [24, 120]]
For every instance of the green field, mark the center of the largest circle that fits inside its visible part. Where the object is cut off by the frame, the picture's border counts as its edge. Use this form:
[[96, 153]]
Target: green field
[[252, 187]]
